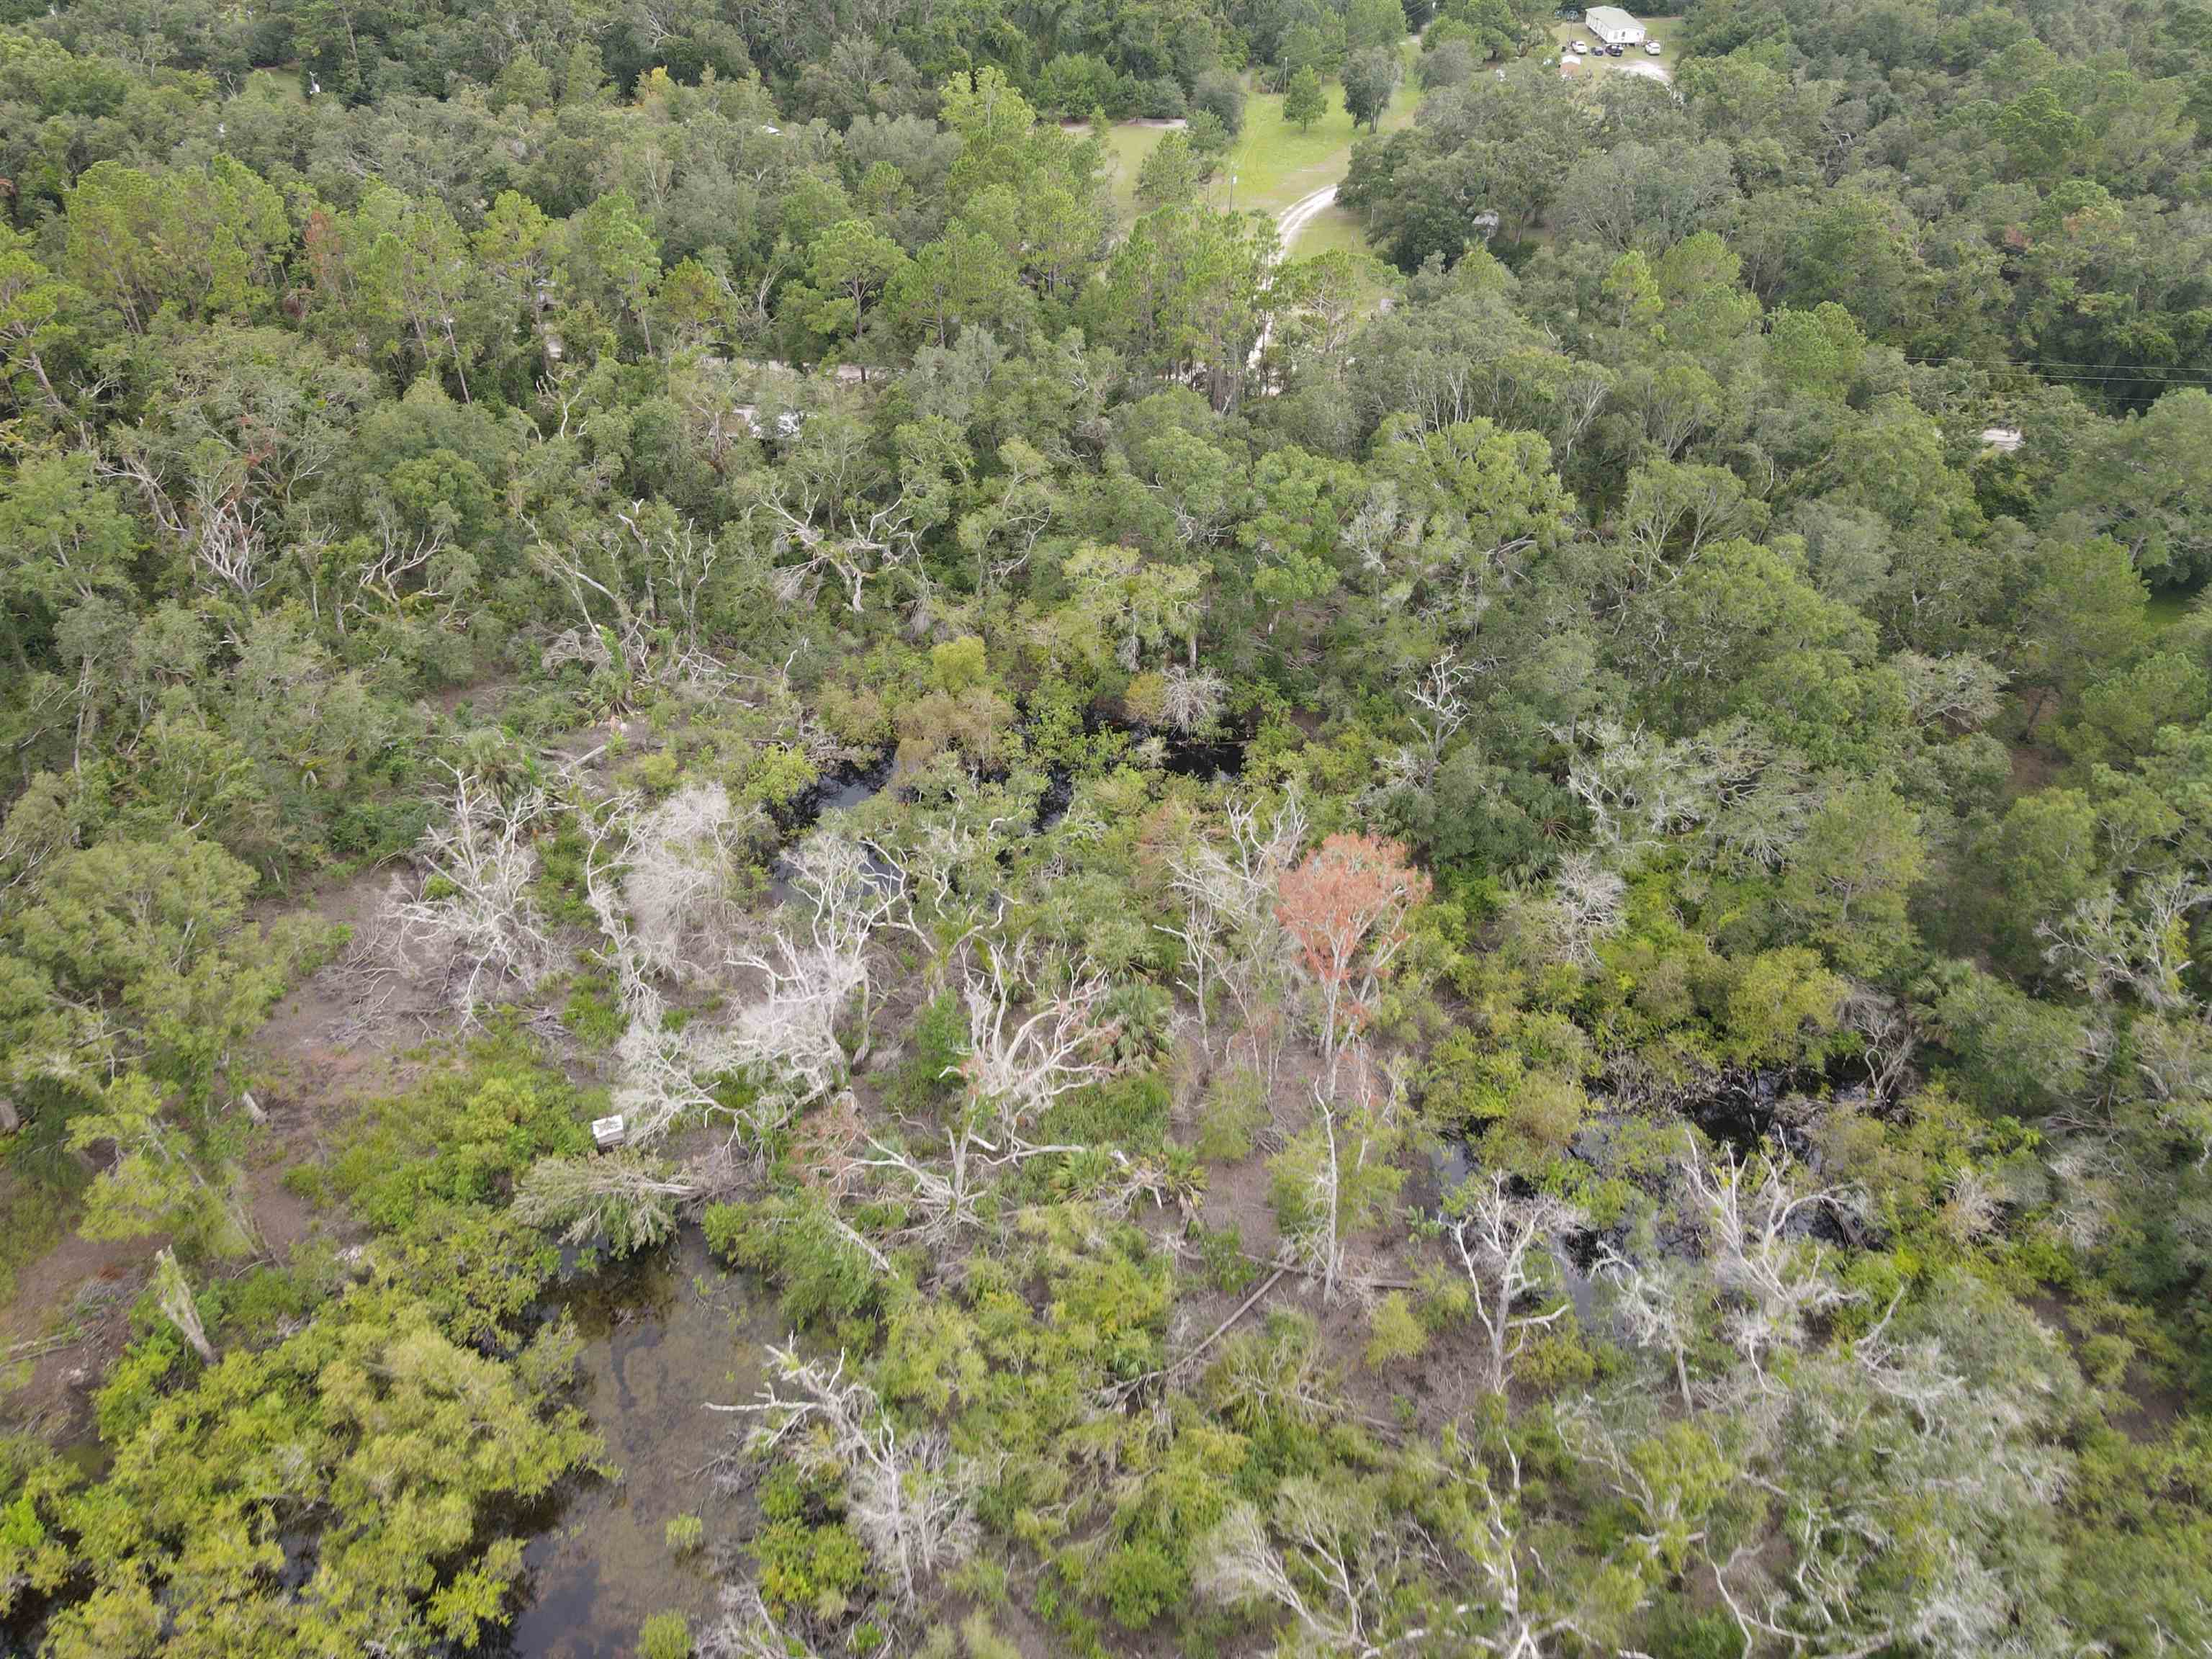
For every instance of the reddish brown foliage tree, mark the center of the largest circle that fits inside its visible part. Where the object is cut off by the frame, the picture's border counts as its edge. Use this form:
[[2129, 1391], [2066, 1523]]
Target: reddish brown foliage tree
[[1345, 908]]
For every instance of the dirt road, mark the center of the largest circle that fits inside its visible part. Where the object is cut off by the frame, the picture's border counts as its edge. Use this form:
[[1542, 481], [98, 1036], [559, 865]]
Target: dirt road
[[1302, 213]]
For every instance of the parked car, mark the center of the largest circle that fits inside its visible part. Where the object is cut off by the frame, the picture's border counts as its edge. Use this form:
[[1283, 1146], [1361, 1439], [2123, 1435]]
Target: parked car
[[1651, 48], [1612, 51], [1579, 45]]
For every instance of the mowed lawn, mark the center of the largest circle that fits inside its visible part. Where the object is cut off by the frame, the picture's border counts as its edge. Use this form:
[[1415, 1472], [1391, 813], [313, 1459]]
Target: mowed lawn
[[1332, 230], [1273, 163]]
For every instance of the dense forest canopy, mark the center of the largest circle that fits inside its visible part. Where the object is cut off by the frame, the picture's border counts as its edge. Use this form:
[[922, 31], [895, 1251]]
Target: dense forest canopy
[[1485, 935]]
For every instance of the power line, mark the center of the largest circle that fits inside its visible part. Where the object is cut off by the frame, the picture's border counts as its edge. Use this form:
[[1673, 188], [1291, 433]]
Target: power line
[[2172, 373]]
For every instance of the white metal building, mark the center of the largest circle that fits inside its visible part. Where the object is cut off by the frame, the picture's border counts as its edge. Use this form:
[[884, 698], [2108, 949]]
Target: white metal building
[[1613, 25]]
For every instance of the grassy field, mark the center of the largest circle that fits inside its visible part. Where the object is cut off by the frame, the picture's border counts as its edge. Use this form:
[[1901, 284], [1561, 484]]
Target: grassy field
[[1273, 164], [1661, 29], [1332, 230], [286, 82], [2168, 606]]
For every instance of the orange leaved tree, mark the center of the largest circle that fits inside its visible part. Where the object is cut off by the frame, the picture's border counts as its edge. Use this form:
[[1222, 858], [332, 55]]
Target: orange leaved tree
[[1344, 907]]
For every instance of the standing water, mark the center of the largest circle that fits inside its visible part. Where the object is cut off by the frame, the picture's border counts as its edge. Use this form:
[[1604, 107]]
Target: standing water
[[663, 1335]]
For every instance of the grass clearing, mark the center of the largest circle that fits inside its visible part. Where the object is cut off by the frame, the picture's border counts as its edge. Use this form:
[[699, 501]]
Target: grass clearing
[[2168, 606], [1273, 163], [1332, 230], [286, 82]]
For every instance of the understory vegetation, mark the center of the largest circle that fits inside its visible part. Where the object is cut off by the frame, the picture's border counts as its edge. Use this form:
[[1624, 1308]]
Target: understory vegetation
[[1491, 945]]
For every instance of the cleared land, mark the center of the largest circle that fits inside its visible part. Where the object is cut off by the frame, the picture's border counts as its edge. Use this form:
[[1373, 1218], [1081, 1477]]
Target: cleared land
[[1633, 59], [1274, 163]]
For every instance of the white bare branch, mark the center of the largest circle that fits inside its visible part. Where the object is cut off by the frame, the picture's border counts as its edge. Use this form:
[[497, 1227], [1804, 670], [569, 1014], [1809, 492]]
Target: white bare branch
[[1502, 1241], [174, 1292], [1191, 699], [1030, 1042], [473, 921], [910, 1497], [849, 889], [1754, 1218], [624, 1196]]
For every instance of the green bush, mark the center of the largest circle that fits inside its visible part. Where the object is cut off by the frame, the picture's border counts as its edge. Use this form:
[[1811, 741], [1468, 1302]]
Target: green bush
[[1235, 1107], [462, 1137], [928, 1077], [664, 1636], [1395, 1332], [808, 1558], [684, 1534], [822, 1274]]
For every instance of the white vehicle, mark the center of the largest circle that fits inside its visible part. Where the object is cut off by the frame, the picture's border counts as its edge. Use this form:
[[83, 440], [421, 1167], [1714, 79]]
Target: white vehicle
[[1579, 46], [1651, 47]]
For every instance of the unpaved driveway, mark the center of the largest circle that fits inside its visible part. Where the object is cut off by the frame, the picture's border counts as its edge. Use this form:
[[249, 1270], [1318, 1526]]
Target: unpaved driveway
[[1302, 213]]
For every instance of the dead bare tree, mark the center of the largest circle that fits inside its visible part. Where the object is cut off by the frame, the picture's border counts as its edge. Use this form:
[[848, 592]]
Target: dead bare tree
[[944, 1197], [1754, 1219], [743, 1628], [2173, 1061], [1605, 1440], [1639, 789], [1191, 698], [473, 919], [1503, 1240], [674, 561], [1438, 709], [1231, 939], [610, 829], [636, 579], [2105, 946], [855, 541], [1334, 1179], [397, 571], [220, 527], [1380, 531], [849, 889], [1003, 534], [1323, 1553], [1886, 1029], [678, 886], [1029, 1044], [909, 1496], [1658, 1305], [952, 878], [1587, 902], [626, 1197], [1034, 1036], [669, 1075], [174, 1292]]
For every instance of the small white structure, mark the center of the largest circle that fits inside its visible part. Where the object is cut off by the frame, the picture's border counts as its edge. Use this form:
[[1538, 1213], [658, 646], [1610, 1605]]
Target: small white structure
[[608, 1133], [2002, 439], [1613, 25]]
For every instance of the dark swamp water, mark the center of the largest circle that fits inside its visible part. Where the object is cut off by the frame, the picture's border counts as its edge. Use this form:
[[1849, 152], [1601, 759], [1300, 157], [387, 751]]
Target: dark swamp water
[[662, 1336]]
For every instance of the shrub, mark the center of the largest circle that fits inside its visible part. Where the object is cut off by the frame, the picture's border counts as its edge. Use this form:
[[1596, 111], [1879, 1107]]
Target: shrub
[[664, 1636], [807, 1559], [795, 1241], [684, 1534], [1395, 1332], [927, 1077], [1235, 1106]]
